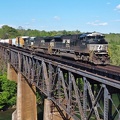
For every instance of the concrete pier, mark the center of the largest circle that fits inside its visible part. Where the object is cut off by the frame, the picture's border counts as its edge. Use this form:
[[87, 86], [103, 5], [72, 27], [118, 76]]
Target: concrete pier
[[26, 100], [11, 73], [51, 112]]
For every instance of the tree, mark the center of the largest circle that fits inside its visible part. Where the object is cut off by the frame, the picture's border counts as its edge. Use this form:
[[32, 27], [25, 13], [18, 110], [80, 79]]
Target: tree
[[8, 90], [8, 32]]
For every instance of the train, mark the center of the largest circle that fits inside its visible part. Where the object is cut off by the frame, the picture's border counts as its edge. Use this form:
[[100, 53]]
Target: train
[[89, 47]]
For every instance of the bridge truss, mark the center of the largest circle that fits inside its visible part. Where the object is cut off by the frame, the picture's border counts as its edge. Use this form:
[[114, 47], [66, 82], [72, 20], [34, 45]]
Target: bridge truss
[[81, 94]]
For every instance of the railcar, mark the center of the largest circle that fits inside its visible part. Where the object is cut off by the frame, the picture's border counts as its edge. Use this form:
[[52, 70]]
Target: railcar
[[8, 41], [22, 41], [41, 44]]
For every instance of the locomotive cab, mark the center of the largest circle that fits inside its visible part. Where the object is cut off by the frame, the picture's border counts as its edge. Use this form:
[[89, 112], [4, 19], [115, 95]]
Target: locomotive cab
[[98, 48], [94, 48], [97, 43]]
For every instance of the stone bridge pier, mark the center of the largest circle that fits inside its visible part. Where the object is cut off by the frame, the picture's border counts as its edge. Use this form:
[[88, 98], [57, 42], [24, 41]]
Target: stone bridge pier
[[26, 107], [51, 112]]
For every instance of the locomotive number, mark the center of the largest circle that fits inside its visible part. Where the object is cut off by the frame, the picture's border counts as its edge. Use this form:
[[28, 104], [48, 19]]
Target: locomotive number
[[100, 47]]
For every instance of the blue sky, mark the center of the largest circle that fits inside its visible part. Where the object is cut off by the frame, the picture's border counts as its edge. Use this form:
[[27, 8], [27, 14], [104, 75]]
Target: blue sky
[[84, 15]]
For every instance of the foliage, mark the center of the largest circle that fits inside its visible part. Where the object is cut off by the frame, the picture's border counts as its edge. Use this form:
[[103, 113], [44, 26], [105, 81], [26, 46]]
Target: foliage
[[113, 38], [8, 32], [115, 54], [7, 92], [114, 47], [39, 97]]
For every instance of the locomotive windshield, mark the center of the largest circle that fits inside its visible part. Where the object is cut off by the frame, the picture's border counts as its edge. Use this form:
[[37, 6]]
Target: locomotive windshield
[[93, 38]]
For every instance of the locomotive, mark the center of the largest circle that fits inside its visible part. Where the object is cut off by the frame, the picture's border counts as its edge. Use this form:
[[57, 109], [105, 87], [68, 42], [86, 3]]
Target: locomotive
[[91, 47]]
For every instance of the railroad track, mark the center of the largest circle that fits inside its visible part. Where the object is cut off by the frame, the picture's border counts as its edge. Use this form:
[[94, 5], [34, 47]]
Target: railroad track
[[109, 71]]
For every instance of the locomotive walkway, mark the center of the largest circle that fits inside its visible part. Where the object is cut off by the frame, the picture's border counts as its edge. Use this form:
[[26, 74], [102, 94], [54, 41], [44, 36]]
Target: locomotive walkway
[[73, 90]]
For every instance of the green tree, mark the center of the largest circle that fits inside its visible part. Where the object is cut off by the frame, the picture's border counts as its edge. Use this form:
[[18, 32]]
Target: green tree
[[8, 32], [8, 92], [114, 54]]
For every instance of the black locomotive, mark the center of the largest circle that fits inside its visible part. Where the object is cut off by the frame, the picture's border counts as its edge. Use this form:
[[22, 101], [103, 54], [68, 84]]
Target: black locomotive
[[90, 47]]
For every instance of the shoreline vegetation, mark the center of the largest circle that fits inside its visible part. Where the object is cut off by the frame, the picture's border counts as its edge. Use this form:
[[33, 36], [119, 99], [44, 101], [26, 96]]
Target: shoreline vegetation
[[8, 91], [8, 94]]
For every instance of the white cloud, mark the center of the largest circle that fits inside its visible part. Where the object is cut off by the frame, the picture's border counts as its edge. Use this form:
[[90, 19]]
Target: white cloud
[[1, 25], [103, 24], [117, 8], [108, 3], [56, 17], [97, 23]]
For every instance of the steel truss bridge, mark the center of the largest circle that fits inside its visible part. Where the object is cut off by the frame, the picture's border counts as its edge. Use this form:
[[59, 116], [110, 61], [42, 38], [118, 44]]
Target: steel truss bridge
[[82, 95]]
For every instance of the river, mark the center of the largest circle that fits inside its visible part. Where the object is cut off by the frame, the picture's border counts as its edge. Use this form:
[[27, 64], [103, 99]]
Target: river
[[6, 115]]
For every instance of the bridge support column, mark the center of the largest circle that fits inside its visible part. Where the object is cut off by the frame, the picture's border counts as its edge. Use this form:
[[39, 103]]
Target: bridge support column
[[47, 110], [26, 100], [11, 73], [52, 113]]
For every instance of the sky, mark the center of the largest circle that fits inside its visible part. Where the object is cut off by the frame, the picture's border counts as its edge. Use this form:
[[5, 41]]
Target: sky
[[83, 15]]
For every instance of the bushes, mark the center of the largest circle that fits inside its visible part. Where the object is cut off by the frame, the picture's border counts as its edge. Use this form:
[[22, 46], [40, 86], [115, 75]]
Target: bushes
[[113, 38], [114, 47], [8, 90], [114, 54]]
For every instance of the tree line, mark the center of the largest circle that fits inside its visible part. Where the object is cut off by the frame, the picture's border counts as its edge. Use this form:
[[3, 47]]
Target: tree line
[[9, 32]]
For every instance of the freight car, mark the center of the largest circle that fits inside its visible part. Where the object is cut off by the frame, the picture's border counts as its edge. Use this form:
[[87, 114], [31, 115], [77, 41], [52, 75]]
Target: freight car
[[22, 41], [8, 41], [91, 47]]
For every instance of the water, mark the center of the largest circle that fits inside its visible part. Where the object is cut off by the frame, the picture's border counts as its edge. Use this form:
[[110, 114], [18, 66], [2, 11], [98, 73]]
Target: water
[[6, 115]]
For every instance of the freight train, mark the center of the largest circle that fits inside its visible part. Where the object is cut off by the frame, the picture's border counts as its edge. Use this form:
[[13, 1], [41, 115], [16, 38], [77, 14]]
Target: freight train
[[90, 47]]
